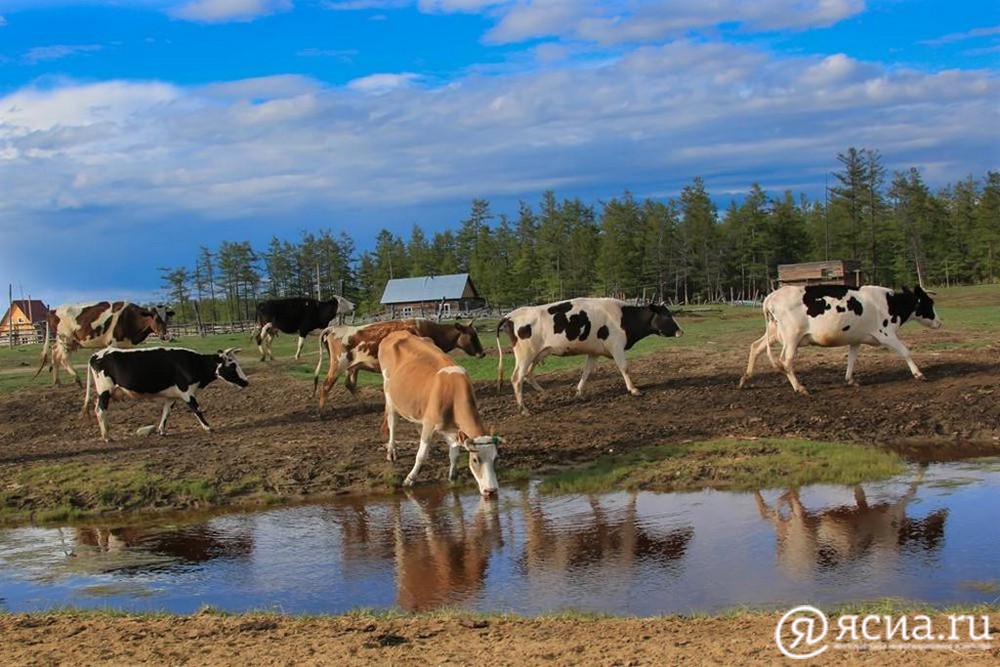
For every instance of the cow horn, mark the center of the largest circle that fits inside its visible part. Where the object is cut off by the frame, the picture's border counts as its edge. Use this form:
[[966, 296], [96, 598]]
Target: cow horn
[[470, 322]]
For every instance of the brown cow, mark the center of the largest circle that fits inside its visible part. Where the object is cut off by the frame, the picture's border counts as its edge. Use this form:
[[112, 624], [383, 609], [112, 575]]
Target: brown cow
[[356, 348], [97, 325], [424, 385]]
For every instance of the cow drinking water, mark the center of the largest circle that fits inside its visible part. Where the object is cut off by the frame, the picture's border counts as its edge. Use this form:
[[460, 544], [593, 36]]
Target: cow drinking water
[[594, 327], [159, 373], [423, 385], [96, 325], [835, 316]]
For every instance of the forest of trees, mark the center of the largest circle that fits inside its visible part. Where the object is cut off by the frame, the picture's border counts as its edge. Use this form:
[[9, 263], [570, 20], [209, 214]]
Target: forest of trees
[[681, 250]]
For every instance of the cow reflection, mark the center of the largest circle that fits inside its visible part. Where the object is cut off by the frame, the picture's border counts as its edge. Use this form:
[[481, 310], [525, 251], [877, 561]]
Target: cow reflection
[[843, 535], [615, 541], [190, 544], [442, 556]]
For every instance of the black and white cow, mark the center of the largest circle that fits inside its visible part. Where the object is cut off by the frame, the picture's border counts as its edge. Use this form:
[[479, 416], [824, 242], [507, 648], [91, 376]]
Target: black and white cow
[[835, 316], [159, 373], [301, 315], [594, 327]]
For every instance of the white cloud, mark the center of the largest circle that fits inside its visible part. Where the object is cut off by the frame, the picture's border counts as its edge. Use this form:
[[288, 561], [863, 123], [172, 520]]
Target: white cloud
[[219, 11], [382, 83], [57, 51]]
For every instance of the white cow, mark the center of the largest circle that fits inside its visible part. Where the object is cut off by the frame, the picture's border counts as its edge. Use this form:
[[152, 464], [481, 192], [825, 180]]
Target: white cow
[[424, 385], [594, 327], [835, 316]]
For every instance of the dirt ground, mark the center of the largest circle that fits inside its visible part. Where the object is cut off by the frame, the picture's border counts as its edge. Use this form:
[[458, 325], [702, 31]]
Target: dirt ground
[[206, 639], [269, 439], [272, 437]]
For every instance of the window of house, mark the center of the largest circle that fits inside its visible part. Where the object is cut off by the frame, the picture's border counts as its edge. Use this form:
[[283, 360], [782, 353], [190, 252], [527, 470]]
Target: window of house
[[407, 311], [445, 309]]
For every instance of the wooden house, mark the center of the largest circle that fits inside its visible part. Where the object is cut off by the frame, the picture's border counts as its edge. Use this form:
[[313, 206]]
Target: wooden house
[[25, 318], [431, 296], [831, 272]]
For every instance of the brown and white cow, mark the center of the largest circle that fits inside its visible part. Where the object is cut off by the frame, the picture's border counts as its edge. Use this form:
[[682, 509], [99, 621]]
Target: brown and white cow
[[96, 325], [425, 386], [837, 316], [594, 327], [356, 348]]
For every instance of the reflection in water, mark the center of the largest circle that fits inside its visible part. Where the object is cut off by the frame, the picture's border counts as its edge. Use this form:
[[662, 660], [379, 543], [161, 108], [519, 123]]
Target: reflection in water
[[838, 536], [618, 541], [441, 558], [528, 552], [196, 543]]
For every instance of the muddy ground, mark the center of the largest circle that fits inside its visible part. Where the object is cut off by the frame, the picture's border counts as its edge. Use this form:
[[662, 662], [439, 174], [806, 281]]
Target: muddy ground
[[207, 639], [270, 440]]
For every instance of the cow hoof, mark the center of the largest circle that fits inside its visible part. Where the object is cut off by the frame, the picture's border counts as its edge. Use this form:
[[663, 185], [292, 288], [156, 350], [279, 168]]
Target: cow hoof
[[407, 482], [802, 391], [525, 412], [636, 392], [743, 382], [920, 376]]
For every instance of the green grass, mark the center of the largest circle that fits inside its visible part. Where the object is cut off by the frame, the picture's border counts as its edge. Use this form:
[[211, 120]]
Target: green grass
[[80, 489], [730, 464]]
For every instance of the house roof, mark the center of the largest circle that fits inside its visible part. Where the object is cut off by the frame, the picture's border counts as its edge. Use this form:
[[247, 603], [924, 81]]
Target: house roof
[[33, 307], [425, 288]]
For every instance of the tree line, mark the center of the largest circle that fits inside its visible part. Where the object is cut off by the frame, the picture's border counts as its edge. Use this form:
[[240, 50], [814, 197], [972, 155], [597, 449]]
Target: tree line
[[682, 250]]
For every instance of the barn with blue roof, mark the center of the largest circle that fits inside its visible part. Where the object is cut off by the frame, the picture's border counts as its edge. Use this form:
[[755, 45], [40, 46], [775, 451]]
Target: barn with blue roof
[[431, 296]]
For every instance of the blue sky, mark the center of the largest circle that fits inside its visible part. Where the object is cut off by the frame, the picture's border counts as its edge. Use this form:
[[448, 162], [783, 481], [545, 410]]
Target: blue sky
[[133, 132]]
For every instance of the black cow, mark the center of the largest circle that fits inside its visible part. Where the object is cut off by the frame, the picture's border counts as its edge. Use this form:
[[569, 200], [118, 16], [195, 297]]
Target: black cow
[[163, 373], [301, 315]]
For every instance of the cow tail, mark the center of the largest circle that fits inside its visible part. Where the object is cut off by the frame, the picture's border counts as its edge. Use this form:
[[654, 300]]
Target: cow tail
[[319, 364], [771, 331], [86, 395], [45, 351], [500, 325]]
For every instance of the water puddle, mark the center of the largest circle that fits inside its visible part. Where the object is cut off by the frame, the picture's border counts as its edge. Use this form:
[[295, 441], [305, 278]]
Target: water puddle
[[924, 536]]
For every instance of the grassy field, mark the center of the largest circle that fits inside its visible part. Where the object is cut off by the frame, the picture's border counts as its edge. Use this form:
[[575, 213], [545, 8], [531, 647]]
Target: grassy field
[[972, 313]]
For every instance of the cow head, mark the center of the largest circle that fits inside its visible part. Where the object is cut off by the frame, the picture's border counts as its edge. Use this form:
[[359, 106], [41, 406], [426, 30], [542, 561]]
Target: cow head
[[662, 322], [482, 454], [344, 307], [468, 340], [923, 309], [228, 368], [160, 316]]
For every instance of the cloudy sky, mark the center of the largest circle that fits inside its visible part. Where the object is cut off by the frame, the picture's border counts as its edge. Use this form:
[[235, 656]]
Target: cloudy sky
[[134, 131]]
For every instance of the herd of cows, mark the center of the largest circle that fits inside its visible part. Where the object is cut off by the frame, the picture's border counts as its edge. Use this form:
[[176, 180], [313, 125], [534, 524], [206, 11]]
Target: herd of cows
[[422, 383]]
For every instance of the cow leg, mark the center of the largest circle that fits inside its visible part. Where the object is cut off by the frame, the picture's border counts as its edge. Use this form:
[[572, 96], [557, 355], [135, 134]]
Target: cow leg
[[756, 349], [894, 343], [101, 410], [161, 428], [261, 340], [390, 420], [787, 356], [65, 363], [517, 381], [298, 348], [622, 362], [852, 356], [454, 449], [426, 433], [588, 367], [193, 405]]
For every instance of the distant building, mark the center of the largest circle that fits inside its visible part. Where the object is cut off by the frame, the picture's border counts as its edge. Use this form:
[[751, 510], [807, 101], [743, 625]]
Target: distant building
[[25, 318], [431, 296], [831, 272]]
